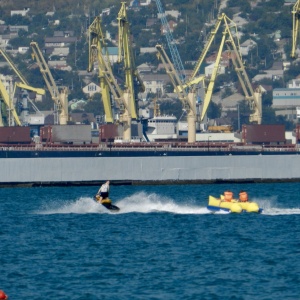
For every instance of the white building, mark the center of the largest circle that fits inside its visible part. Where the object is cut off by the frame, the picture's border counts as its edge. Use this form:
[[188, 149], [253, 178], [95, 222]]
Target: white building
[[22, 12], [144, 50], [91, 89], [247, 46], [145, 2], [155, 82], [286, 98], [23, 50], [294, 84], [209, 70]]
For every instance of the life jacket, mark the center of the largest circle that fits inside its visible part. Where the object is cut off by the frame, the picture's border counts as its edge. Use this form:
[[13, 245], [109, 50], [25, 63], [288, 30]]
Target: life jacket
[[243, 197], [228, 196]]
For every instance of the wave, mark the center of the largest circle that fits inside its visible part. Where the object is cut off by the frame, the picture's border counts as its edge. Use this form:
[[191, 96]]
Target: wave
[[83, 205], [136, 203], [147, 203], [269, 207]]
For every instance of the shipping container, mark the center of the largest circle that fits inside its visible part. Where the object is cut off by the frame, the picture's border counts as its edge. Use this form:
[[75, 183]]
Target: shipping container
[[69, 134], [108, 132], [264, 134], [15, 134]]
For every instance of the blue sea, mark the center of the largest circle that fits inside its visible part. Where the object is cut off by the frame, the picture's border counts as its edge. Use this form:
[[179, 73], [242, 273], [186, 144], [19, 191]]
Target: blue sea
[[57, 243]]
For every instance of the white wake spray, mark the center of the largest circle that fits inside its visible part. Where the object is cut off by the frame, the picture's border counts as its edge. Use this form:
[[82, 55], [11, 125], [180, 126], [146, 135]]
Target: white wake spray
[[148, 203], [269, 206], [139, 202]]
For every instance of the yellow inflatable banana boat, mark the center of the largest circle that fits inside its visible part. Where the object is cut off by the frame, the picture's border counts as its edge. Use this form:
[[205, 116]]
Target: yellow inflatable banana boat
[[233, 206]]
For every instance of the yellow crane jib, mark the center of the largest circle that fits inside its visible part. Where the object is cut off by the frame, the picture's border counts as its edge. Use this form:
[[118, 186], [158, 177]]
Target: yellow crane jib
[[98, 53], [60, 98], [109, 87], [30, 88], [188, 100], [12, 65], [230, 39], [295, 33], [132, 78], [23, 84], [9, 104]]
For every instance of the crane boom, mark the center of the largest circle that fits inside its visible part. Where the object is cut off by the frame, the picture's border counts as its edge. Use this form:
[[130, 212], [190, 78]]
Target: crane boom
[[97, 46], [13, 66], [207, 46], [178, 65], [23, 84], [295, 34], [98, 52], [9, 103], [188, 100], [254, 98], [60, 98], [133, 80]]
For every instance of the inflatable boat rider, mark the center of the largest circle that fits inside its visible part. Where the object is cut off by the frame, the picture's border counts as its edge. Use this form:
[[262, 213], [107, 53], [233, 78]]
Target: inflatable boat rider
[[228, 196], [243, 196]]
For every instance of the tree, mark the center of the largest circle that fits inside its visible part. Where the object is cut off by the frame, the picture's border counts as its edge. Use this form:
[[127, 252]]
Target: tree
[[39, 20], [16, 42], [171, 107], [17, 20], [267, 99], [214, 110], [95, 105]]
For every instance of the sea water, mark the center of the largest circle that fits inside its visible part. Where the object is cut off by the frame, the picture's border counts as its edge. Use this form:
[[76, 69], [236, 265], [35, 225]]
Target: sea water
[[57, 243]]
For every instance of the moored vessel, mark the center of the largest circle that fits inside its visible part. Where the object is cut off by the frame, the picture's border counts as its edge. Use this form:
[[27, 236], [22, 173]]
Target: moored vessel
[[146, 163]]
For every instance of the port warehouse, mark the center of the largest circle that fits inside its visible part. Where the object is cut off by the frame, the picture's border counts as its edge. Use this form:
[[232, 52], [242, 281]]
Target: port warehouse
[[267, 157]]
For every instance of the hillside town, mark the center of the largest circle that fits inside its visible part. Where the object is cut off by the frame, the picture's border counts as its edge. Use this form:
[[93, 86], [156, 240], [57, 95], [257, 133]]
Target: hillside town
[[266, 56]]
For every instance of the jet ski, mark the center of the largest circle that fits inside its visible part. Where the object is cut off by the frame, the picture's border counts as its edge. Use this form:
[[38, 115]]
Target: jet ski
[[106, 203]]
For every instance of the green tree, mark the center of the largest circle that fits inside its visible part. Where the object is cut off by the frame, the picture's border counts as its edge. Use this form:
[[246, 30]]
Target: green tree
[[267, 99], [214, 110], [268, 115], [18, 41], [171, 107], [17, 20], [95, 105]]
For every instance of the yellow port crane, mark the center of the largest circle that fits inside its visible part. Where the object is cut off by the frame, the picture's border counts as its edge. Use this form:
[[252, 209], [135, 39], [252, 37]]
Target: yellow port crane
[[10, 107], [60, 97], [295, 33], [133, 81], [229, 34], [188, 99], [98, 53], [23, 84]]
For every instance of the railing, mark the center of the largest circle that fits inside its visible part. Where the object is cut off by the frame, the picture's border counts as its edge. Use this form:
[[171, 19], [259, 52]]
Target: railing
[[155, 146]]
